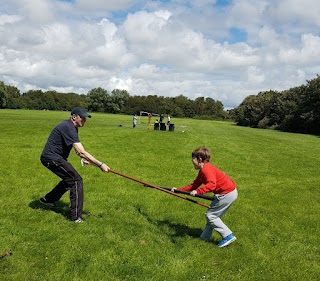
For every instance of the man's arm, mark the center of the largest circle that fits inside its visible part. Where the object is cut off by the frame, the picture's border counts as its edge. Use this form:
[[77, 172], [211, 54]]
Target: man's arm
[[78, 147]]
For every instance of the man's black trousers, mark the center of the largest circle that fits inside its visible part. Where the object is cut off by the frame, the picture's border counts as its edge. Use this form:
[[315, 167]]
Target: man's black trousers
[[71, 180]]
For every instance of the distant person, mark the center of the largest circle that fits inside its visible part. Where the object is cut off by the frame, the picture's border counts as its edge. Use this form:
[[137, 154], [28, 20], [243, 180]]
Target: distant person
[[161, 118], [134, 120], [225, 193], [149, 120], [168, 123], [54, 156]]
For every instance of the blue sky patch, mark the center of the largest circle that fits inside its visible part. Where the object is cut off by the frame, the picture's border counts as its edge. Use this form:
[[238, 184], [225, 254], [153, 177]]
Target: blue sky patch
[[237, 35], [222, 3]]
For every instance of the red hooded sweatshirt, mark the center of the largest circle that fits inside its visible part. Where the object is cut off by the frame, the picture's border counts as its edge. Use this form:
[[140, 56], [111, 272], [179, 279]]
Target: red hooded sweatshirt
[[213, 180]]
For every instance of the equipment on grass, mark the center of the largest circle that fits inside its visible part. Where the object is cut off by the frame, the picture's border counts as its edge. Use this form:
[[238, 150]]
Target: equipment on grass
[[2, 255], [159, 188]]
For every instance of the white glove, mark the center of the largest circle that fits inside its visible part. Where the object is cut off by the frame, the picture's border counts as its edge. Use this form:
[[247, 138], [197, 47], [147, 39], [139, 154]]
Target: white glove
[[193, 193], [173, 189]]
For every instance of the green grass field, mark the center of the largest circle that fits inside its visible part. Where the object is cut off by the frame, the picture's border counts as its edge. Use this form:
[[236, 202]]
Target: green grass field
[[138, 233]]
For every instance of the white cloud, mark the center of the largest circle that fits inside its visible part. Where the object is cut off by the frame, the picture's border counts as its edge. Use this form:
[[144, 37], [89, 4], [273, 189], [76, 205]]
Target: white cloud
[[255, 75], [303, 12], [105, 5], [159, 47], [4, 19], [38, 11]]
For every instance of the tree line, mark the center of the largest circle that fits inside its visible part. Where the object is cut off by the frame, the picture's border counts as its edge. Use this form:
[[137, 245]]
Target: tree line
[[294, 110], [116, 102]]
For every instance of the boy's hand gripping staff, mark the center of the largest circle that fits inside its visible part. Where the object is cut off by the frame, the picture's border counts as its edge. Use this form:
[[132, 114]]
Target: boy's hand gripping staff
[[188, 193], [159, 188], [185, 192]]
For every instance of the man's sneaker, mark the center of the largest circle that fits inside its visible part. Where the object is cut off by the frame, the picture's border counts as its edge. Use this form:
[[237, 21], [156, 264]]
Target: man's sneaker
[[43, 201], [79, 220], [227, 240]]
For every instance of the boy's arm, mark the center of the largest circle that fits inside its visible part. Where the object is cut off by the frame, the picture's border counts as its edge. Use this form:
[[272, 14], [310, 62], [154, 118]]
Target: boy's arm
[[207, 177], [196, 183]]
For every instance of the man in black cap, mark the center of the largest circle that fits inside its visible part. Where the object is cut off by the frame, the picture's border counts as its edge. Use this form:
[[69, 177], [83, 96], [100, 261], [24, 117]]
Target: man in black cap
[[54, 156]]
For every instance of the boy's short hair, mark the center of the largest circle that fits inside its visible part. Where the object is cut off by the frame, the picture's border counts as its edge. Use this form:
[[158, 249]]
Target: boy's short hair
[[202, 153]]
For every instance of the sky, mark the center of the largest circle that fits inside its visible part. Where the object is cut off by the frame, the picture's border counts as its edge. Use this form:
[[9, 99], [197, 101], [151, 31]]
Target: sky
[[223, 49]]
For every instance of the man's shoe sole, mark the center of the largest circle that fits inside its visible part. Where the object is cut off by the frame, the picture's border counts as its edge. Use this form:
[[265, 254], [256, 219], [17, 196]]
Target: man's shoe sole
[[50, 205]]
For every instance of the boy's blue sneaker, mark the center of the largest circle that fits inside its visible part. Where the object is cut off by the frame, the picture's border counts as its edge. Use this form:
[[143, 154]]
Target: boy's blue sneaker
[[227, 240]]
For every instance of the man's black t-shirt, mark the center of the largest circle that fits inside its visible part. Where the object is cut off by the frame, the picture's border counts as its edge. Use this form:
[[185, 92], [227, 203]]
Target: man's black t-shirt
[[60, 141]]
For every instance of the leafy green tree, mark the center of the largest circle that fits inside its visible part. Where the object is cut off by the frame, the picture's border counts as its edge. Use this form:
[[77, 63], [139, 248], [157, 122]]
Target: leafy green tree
[[52, 100], [3, 98], [214, 109], [118, 100], [33, 99], [185, 105], [310, 107], [97, 99], [133, 106], [179, 104], [13, 95], [286, 108], [258, 111], [247, 113], [293, 110], [199, 106]]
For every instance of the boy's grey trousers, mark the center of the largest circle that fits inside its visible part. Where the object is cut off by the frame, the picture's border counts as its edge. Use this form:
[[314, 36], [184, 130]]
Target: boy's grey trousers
[[218, 207]]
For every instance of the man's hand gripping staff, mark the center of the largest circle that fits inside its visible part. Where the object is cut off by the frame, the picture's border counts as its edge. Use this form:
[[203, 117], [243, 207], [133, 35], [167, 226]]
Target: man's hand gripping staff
[[103, 167]]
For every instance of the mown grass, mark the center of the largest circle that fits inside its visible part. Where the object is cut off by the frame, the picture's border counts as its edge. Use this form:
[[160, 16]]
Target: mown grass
[[138, 233]]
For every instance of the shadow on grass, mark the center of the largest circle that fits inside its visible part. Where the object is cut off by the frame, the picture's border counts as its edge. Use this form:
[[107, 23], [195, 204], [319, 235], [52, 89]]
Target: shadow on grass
[[173, 230], [61, 207]]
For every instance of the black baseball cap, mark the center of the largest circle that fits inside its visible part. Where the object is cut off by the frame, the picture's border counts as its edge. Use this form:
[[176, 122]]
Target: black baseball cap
[[81, 112]]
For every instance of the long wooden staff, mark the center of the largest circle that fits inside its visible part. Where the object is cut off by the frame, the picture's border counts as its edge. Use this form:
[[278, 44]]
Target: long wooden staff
[[159, 188]]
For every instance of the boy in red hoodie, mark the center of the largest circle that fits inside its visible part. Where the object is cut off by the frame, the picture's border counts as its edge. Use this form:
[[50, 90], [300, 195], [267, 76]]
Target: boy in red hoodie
[[224, 189]]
